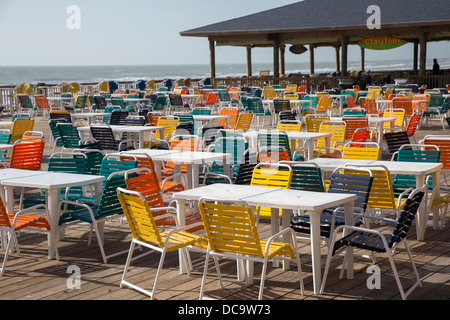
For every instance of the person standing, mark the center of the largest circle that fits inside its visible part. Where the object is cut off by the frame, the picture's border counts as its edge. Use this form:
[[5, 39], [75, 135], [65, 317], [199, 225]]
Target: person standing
[[436, 68]]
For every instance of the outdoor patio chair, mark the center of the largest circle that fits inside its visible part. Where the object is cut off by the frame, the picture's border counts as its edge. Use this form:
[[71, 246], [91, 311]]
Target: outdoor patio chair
[[21, 220], [106, 140], [145, 233], [377, 242], [231, 233]]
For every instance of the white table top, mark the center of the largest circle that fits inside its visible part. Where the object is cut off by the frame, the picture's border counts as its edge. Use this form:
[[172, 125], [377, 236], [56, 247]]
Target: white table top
[[11, 173], [118, 128], [291, 134], [90, 114], [266, 196], [202, 117], [53, 180], [177, 156]]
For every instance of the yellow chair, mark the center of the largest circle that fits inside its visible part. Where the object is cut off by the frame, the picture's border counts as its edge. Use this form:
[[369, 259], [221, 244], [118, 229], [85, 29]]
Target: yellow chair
[[146, 233], [313, 122], [291, 88], [338, 130], [269, 93], [363, 150], [290, 126], [398, 114], [323, 104], [440, 199], [381, 198], [273, 175], [231, 232], [170, 126], [244, 121], [374, 92], [21, 126]]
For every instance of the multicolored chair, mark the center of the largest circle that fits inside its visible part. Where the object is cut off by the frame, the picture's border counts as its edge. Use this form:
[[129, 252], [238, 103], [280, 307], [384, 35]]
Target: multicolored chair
[[231, 233]]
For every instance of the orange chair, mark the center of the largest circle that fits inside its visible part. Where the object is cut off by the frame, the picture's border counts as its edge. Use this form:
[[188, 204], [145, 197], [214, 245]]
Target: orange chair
[[403, 103], [351, 102], [369, 105], [27, 154], [182, 143], [19, 221], [42, 103], [233, 113], [353, 124], [145, 181], [153, 118], [443, 142]]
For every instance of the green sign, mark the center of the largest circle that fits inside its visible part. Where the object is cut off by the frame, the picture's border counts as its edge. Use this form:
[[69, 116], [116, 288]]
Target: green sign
[[381, 43]]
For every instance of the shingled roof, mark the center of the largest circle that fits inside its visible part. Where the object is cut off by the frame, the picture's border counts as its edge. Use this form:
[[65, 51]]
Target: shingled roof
[[330, 16]]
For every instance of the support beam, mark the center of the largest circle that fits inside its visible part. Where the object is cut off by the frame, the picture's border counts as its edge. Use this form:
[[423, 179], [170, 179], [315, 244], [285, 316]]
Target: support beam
[[344, 54], [276, 56], [416, 57], [423, 53], [338, 59], [282, 60], [249, 61], [363, 59], [212, 60], [311, 59]]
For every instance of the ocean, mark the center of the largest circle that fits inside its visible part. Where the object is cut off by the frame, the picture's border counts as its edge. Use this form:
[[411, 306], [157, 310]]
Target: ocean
[[10, 75]]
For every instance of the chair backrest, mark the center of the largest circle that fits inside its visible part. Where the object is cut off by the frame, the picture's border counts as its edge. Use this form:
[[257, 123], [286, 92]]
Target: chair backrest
[[362, 150], [185, 142], [245, 171], [369, 105], [109, 204], [269, 92], [169, 124], [139, 216], [100, 102], [306, 176], [255, 105], [145, 181], [272, 138], [354, 112], [244, 121], [313, 122], [118, 101], [281, 105], [353, 124], [104, 137], [395, 139], [224, 96], [350, 102], [5, 136], [24, 101], [41, 102], [382, 190], [67, 162], [342, 181], [406, 217], [398, 114], [27, 154], [403, 103], [115, 163], [93, 161], [21, 126], [230, 227], [413, 123], [418, 153], [118, 117], [175, 100], [236, 146], [233, 113], [69, 135], [337, 129], [60, 115], [80, 102], [289, 125], [273, 175], [443, 142]]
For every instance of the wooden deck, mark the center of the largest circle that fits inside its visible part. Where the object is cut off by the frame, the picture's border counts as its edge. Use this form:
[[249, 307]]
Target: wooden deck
[[34, 277]]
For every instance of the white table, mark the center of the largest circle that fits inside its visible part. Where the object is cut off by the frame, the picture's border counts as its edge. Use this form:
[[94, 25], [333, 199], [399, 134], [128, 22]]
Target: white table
[[417, 169], [89, 115], [60, 99], [340, 98], [52, 182], [295, 136], [384, 104], [190, 99], [137, 132], [206, 118], [192, 159], [286, 199]]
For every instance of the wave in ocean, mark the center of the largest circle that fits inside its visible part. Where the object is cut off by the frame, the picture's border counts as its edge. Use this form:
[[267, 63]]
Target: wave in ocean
[[94, 74]]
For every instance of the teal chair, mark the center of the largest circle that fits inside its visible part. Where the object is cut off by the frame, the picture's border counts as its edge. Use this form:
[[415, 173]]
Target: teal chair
[[256, 106], [108, 208]]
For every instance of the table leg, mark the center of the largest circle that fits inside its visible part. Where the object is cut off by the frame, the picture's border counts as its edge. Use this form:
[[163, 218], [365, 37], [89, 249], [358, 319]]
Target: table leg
[[310, 149], [315, 250], [53, 199], [181, 215], [349, 217]]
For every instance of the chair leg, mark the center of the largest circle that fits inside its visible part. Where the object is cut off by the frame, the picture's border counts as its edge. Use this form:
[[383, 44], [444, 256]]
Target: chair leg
[[263, 279], [158, 272], [205, 271], [127, 263]]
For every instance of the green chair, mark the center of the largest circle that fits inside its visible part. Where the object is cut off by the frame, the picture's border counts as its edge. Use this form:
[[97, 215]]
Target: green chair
[[109, 207], [5, 138], [117, 101], [274, 139], [160, 103], [80, 104], [414, 153], [69, 137], [306, 176], [256, 106]]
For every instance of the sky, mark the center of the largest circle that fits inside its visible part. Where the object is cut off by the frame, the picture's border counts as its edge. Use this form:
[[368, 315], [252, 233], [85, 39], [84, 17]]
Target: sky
[[137, 32]]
